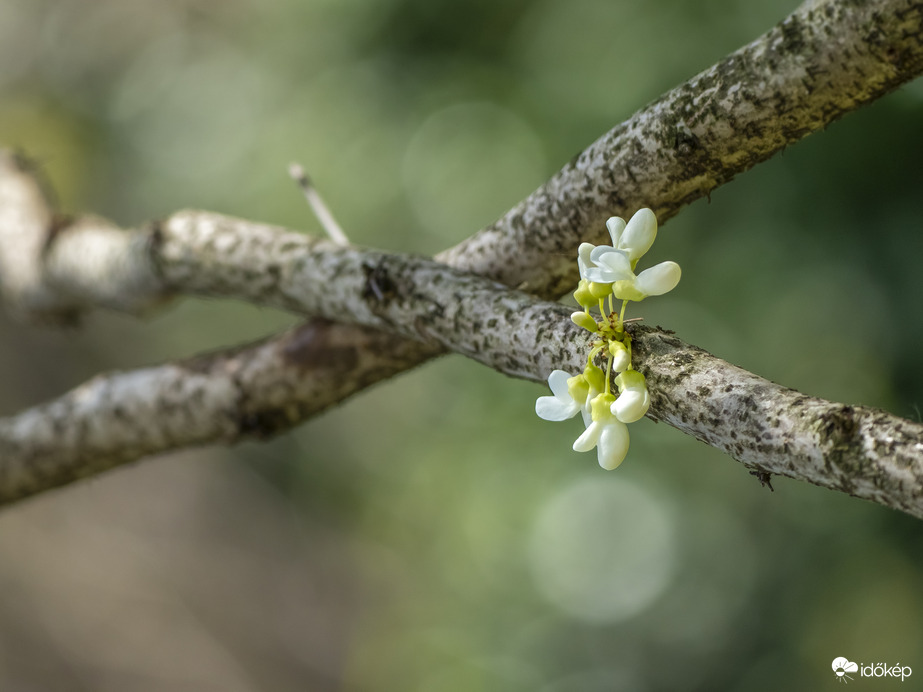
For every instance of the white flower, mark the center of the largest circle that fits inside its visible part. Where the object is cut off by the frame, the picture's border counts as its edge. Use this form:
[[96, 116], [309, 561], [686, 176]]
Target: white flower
[[570, 396], [614, 266], [605, 432], [634, 400], [636, 237]]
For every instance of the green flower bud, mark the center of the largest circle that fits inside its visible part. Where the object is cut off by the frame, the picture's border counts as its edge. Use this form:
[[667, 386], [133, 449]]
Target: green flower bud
[[595, 377], [583, 296], [585, 320]]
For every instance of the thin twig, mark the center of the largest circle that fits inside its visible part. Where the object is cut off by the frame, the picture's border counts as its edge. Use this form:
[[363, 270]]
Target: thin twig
[[318, 206]]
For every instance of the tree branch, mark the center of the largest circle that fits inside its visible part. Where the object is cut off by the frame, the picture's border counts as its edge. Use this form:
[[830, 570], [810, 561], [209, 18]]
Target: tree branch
[[790, 82], [260, 389], [826, 59]]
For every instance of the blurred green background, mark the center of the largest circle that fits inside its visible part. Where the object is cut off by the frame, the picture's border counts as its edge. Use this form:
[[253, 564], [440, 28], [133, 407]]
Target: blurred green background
[[433, 534]]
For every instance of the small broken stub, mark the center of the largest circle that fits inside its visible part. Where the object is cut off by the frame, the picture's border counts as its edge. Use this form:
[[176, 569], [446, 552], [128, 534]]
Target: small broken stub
[[379, 285], [764, 477]]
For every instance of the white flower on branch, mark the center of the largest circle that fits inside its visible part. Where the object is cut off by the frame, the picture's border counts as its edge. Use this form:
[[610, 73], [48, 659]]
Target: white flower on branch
[[634, 400], [613, 266], [605, 432], [610, 268], [569, 397]]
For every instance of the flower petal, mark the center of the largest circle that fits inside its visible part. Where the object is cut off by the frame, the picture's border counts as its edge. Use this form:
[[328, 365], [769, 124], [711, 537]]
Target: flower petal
[[621, 361], [639, 234], [616, 226], [588, 439], [554, 409], [631, 405], [613, 445], [659, 279], [583, 258], [557, 380], [611, 265]]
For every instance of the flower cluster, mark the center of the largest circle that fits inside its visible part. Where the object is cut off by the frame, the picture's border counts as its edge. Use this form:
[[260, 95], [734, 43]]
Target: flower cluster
[[607, 272]]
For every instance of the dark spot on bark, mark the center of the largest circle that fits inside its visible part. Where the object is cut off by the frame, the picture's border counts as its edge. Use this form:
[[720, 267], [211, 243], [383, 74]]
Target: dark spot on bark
[[764, 477], [309, 346], [379, 286], [263, 424], [792, 35], [685, 143]]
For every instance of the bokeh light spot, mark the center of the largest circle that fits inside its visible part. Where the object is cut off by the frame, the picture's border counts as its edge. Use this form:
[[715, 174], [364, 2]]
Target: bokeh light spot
[[603, 549]]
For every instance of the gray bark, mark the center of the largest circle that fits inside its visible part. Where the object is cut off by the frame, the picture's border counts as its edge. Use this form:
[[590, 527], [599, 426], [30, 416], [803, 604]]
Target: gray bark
[[826, 59]]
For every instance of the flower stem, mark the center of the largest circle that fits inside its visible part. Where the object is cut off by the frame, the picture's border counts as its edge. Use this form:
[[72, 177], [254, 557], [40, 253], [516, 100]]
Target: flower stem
[[622, 315], [589, 360]]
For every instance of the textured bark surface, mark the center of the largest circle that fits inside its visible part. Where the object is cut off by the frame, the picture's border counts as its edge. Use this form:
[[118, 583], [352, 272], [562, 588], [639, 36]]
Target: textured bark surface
[[258, 390], [857, 450], [823, 61], [250, 392]]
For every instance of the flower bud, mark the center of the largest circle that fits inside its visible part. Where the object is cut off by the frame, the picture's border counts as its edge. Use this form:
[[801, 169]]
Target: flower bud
[[583, 296], [585, 320], [621, 358]]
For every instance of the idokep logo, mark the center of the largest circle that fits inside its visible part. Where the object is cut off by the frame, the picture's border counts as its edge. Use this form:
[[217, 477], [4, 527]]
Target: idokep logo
[[843, 666]]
